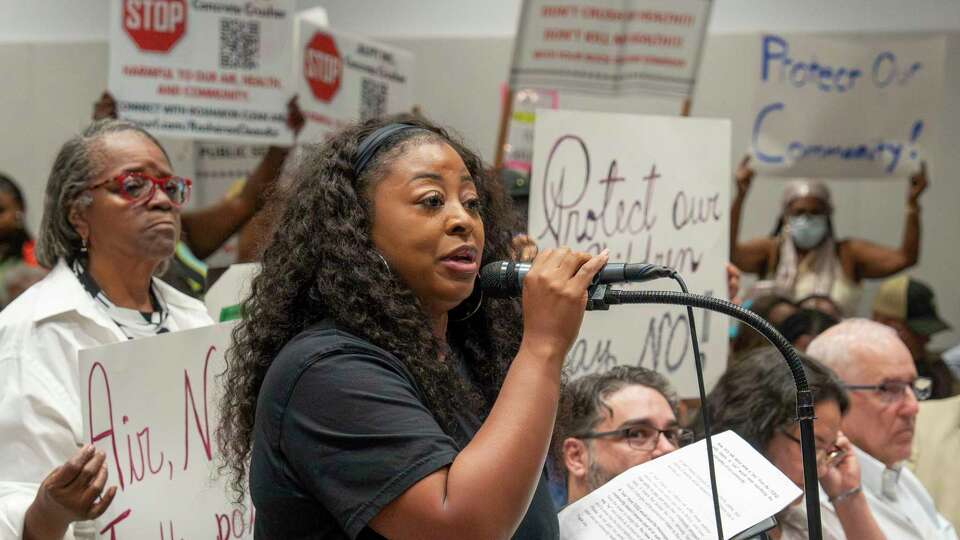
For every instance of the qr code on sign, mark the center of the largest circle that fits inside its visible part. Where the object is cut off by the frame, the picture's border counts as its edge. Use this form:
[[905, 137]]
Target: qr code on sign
[[239, 44], [373, 99]]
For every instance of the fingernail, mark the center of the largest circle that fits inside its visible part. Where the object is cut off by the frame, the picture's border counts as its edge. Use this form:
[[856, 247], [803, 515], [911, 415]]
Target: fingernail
[[88, 449]]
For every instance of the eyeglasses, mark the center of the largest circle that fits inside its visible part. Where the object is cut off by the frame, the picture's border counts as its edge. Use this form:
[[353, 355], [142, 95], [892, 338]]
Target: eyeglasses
[[825, 457], [138, 187], [893, 391], [644, 437]]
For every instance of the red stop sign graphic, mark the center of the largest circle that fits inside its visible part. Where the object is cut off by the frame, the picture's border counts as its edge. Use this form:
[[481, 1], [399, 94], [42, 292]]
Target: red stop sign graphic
[[322, 66], [155, 25]]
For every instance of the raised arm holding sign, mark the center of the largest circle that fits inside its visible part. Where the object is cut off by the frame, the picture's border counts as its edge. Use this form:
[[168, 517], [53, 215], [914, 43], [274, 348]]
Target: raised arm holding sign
[[803, 257]]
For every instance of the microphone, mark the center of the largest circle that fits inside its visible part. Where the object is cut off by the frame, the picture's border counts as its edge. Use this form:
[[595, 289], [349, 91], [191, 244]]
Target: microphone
[[505, 278]]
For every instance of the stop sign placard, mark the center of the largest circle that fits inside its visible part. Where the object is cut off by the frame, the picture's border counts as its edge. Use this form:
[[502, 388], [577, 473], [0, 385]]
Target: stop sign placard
[[155, 25], [322, 66]]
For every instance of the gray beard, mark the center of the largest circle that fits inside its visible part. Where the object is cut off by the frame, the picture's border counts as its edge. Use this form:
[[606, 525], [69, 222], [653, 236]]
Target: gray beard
[[597, 476]]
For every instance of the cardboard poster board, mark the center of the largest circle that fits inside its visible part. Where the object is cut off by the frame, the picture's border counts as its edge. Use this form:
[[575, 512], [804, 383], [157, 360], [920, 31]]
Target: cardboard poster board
[[840, 108], [342, 79], [610, 47], [628, 183], [203, 70], [151, 405]]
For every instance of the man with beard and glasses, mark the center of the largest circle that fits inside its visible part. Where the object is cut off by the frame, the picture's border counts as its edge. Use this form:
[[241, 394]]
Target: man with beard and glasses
[[608, 422]]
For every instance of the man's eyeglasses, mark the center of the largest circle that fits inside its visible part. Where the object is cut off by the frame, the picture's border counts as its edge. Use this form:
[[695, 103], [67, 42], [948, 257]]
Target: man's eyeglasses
[[644, 437], [893, 391], [825, 457], [138, 187]]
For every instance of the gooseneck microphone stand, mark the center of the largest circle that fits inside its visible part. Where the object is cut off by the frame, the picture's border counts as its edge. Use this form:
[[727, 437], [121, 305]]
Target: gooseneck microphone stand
[[505, 278], [601, 296]]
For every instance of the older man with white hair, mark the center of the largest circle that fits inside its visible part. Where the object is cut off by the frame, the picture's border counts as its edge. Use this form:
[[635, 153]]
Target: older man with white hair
[[879, 372]]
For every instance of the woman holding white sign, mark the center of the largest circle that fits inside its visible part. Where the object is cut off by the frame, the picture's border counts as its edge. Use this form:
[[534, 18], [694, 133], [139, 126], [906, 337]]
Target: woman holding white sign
[[374, 390], [803, 257], [111, 220]]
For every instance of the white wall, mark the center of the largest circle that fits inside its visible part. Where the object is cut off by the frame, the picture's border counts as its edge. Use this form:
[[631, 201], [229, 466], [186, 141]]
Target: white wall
[[85, 20]]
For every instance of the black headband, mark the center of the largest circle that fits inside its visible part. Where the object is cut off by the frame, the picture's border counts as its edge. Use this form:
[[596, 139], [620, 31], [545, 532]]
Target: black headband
[[372, 143]]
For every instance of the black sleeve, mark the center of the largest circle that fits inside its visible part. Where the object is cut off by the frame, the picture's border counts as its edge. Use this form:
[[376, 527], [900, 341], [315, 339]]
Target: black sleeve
[[357, 435]]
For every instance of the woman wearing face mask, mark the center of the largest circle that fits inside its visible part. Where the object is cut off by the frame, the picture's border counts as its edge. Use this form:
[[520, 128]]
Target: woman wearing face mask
[[803, 257]]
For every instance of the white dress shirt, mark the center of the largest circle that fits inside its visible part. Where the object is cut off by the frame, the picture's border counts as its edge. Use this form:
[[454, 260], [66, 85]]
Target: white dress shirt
[[793, 521], [899, 502], [41, 333]]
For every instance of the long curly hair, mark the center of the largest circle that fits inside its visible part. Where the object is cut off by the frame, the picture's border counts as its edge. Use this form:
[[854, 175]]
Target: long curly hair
[[320, 263]]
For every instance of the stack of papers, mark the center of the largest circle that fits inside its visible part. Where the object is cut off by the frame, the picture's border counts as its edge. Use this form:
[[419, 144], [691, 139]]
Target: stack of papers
[[669, 497]]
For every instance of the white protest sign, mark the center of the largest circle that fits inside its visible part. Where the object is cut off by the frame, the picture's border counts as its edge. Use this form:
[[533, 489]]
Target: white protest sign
[[222, 170], [610, 46], [344, 79], [651, 189], [151, 405], [227, 293], [203, 70], [845, 109], [668, 498]]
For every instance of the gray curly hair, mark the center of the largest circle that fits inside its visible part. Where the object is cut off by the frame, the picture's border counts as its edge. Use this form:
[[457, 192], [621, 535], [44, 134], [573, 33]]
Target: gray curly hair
[[76, 165]]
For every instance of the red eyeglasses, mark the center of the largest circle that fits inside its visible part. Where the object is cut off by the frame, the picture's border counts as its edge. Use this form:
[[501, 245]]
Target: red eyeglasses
[[138, 187]]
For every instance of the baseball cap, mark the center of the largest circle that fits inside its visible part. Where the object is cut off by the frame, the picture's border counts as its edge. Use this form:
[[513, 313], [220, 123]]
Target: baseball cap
[[910, 301]]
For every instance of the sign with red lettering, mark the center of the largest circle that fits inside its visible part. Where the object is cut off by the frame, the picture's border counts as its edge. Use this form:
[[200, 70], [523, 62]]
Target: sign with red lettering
[[155, 25], [345, 79], [610, 47], [626, 183], [161, 451], [322, 66], [204, 70]]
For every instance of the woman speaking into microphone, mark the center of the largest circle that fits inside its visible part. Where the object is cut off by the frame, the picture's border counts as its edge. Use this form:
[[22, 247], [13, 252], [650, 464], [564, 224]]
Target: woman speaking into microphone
[[372, 388]]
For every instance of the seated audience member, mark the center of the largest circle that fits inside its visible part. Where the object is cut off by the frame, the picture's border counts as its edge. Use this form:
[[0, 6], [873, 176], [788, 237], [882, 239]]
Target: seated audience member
[[821, 303], [936, 446], [803, 257], [877, 370], [804, 325], [206, 229], [16, 246], [907, 305], [111, 219], [757, 399], [773, 308], [608, 422], [18, 278]]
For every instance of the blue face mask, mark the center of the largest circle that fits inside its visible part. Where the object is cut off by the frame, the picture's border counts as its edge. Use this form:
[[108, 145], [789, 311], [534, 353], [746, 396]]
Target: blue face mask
[[807, 231]]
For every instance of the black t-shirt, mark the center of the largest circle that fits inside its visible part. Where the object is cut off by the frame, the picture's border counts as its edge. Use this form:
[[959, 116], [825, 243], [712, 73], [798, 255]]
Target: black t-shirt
[[341, 431]]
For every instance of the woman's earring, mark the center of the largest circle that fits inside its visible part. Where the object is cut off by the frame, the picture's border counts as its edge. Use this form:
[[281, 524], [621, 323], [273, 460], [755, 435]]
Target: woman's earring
[[83, 245], [384, 261]]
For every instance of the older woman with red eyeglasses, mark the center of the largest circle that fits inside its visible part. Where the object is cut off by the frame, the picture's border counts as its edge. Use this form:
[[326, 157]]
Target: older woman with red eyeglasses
[[111, 220]]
